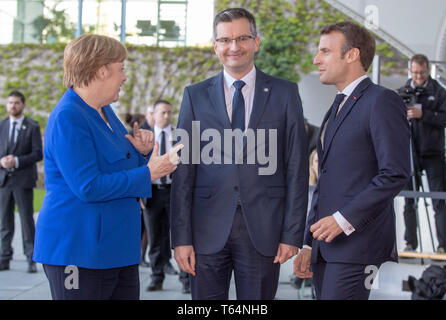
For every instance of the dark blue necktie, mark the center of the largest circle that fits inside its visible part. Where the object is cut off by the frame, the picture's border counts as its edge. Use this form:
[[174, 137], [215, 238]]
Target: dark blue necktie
[[11, 138], [238, 107], [334, 110], [163, 151]]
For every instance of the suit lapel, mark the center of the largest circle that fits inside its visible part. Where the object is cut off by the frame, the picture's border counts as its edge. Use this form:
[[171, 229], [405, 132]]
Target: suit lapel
[[217, 98], [348, 105], [4, 133], [261, 95], [320, 151]]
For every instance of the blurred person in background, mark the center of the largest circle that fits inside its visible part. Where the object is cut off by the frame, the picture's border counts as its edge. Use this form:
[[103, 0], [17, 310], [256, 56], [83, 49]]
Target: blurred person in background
[[150, 120], [426, 112], [20, 150], [157, 209]]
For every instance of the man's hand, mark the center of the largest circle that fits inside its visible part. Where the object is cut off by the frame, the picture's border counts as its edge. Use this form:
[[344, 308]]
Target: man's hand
[[326, 229], [185, 257], [285, 252], [8, 161], [414, 113], [302, 264], [142, 140], [161, 166]]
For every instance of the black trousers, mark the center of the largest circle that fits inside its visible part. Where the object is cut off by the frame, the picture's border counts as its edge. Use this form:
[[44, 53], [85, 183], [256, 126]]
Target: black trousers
[[74, 283], [342, 281], [9, 197], [157, 222], [435, 172], [256, 276]]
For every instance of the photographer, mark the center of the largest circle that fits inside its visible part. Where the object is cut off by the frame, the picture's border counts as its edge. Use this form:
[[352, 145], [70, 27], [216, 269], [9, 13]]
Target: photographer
[[426, 111]]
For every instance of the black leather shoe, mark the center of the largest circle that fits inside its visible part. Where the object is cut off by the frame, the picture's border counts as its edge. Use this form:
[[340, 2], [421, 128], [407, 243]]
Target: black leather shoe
[[4, 266], [169, 269], [32, 268], [186, 287], [155, 286]]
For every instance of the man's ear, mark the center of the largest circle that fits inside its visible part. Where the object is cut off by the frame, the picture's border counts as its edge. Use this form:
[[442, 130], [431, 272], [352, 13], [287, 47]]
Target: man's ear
[[353, 55]]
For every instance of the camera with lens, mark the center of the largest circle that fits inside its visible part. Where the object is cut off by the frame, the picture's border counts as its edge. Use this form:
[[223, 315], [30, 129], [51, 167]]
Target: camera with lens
[[410, 95]]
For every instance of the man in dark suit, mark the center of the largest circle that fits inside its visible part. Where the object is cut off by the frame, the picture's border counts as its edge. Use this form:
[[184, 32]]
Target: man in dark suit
[[157, 208], [20, 150], [231, 211], [363, 154]]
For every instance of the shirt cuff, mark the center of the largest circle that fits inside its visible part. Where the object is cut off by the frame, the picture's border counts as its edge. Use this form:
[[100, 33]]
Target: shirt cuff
[[16, 162], [306, 247], [344, 224]]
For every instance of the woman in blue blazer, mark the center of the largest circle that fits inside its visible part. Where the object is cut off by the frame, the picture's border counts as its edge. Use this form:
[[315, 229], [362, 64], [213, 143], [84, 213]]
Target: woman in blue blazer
[[95, 173]]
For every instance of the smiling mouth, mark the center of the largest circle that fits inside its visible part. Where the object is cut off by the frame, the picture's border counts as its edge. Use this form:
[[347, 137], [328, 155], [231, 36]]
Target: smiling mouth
[[234, 55]]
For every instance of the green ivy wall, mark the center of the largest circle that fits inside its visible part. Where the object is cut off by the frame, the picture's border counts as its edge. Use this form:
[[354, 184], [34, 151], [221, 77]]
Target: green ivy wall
[[152, 73], [289, 31]]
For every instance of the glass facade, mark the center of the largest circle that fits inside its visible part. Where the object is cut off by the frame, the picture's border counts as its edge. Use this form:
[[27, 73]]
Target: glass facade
[[147, 22]]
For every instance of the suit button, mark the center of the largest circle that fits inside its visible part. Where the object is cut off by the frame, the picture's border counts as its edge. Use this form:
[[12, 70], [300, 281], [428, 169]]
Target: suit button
[[236, 188], [128, 155], [137, 199], [324, 171]]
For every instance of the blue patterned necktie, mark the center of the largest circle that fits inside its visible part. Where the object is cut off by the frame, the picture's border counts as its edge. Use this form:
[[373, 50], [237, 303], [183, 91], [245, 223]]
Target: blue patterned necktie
[[238, 106], [334, 110]]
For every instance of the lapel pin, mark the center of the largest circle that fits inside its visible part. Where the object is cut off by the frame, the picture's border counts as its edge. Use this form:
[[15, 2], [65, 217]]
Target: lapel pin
[[23, 127], [265, 89], [354, 97]]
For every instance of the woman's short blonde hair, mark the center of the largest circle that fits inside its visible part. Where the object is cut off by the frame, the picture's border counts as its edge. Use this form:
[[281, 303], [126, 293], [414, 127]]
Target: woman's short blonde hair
[[84, 56]]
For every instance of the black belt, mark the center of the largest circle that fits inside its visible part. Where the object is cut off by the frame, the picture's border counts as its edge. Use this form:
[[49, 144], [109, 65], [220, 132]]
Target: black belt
[[161, 186]]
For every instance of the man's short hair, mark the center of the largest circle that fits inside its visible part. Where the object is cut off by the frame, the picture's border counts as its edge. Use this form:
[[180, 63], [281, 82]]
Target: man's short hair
[[231, 14], [159, 101], [84, 56], [355, 37], [420, 59], [18, 94]]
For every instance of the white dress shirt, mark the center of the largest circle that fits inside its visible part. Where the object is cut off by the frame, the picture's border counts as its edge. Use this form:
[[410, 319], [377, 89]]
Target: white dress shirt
[[18, 126], [247, 91], [168, 136]]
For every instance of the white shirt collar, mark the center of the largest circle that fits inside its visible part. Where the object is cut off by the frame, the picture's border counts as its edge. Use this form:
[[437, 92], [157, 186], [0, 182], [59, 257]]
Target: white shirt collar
[[19, 121], [352, 86], [249, 78], [158, 130]]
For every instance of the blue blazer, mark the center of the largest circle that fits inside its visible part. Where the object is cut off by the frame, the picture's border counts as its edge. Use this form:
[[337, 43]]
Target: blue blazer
[[204, 196], [364, 165], [94, 177]]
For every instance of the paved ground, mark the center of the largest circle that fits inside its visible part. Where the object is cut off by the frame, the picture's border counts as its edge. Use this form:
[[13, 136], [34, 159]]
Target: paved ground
[[16, 284]]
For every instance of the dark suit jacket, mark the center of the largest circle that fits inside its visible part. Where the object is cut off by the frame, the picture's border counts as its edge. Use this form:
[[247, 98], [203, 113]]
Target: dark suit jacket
[[363, 167], [28, 149], [204, 196]]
